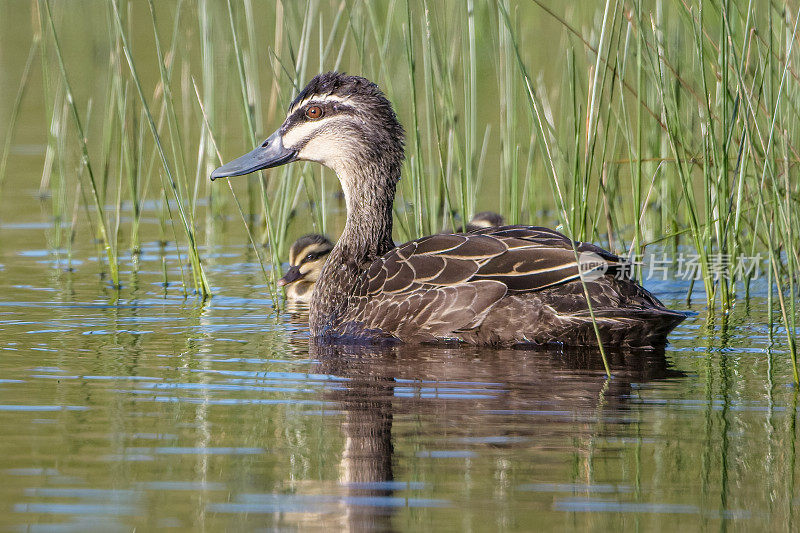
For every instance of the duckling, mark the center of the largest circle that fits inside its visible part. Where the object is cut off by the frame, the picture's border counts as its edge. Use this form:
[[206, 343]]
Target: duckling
[[484, 219], [504, 285], [306, 258]]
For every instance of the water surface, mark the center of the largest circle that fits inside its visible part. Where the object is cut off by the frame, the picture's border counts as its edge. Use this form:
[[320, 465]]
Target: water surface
[[145, 409]]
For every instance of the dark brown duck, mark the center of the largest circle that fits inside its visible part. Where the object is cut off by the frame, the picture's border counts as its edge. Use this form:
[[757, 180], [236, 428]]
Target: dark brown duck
[[499, 285]]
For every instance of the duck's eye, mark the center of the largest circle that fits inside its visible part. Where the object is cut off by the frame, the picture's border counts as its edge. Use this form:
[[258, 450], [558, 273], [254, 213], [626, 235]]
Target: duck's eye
[[309, 257], [314, 112]]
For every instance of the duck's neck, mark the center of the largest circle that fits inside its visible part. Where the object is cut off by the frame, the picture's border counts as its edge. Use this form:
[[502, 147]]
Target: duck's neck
[[369, 197], [369, 191]]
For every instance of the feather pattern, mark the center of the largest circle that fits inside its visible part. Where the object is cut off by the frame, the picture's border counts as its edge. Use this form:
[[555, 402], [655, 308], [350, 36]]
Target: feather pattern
[[474, 287]]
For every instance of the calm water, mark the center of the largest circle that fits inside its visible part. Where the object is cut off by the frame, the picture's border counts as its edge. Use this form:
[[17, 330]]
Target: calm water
[[156, 411]]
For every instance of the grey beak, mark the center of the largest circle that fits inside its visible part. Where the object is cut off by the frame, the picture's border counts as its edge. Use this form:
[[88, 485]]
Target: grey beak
[[292, 275], [270, 154]]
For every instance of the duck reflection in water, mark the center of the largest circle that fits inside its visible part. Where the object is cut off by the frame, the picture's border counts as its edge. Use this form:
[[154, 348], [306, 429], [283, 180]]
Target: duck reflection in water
[[480, 398]]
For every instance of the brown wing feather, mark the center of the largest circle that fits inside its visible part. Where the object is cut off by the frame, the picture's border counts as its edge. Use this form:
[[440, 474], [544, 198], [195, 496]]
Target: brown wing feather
[[428, 313], [432, 287], [537, 258]]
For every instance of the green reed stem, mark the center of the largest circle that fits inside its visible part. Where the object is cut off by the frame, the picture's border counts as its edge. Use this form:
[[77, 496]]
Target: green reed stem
[[200, 282], [267, 277], [15, 108], [111, 253]]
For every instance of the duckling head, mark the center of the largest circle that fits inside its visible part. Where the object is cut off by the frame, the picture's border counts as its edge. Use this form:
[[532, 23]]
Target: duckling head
[[482, 220], [343, 122], [307, 256], [485, 219]]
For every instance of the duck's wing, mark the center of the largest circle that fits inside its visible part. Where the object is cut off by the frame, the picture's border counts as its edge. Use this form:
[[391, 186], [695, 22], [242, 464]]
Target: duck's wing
[[436, 285], [537, 258]]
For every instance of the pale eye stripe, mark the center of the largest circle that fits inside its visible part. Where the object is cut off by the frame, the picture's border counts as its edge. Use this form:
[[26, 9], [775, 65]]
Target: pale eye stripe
[[321, 99], [300, 255], [301, 131], [313, 248]]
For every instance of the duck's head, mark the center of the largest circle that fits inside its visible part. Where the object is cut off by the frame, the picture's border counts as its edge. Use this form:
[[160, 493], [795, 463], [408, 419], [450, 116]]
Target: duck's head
[[306, 258], [482, 220], [485, 219], [343, 122]]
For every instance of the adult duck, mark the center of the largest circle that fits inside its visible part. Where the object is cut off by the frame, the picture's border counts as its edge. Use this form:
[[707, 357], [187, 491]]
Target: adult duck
[[495, 286]]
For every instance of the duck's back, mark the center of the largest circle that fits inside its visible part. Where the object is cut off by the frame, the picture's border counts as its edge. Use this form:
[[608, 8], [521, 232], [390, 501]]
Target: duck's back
[[503, 286], [625, 313]]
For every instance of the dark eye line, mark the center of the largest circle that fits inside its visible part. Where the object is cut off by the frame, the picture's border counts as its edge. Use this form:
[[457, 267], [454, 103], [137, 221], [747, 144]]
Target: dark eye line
[[313, 256]]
